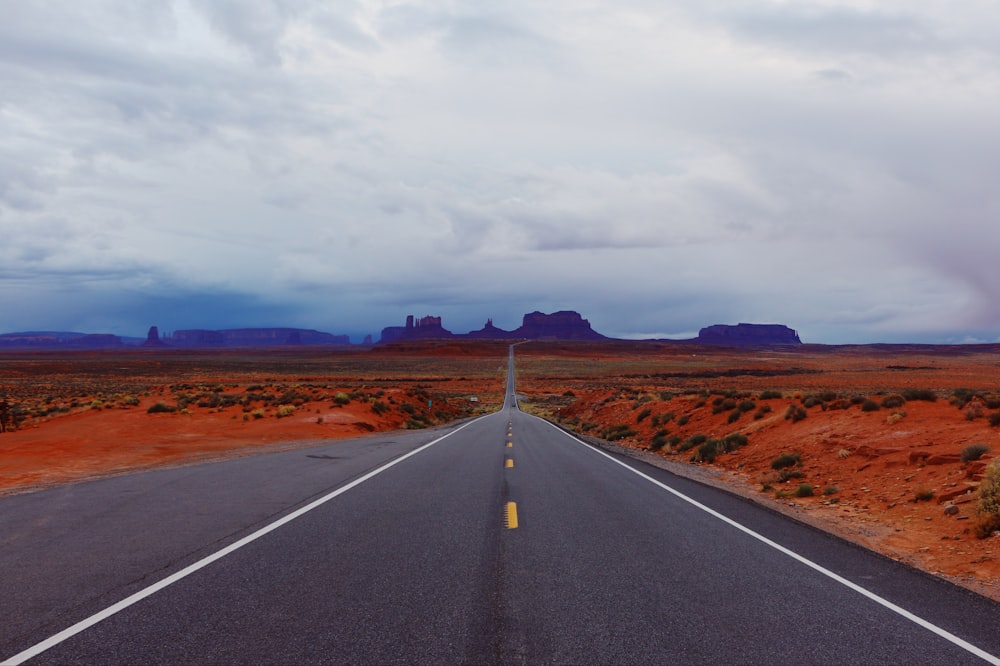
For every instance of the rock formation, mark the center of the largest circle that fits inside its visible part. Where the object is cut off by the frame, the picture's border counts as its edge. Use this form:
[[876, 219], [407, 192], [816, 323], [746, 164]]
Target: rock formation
[[425, 328], [153, 338], [563, 325], [748, 335]]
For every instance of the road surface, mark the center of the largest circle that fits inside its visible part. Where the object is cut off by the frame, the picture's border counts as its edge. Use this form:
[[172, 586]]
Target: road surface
[[500, 540]]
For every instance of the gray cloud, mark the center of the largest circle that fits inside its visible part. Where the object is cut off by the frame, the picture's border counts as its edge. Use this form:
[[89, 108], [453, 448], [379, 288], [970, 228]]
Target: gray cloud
[[659, 168]]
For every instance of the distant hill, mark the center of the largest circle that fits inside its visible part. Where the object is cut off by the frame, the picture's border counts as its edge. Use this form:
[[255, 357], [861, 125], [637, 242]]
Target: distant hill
[[252, 337], [59, 340]]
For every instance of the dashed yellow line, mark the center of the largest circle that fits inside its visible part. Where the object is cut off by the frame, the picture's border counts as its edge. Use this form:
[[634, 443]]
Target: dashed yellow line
[[510, 445], [510, 463], [510, 515]]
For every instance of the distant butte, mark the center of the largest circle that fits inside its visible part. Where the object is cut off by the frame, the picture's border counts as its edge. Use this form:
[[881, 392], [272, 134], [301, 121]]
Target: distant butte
[[748, 335]]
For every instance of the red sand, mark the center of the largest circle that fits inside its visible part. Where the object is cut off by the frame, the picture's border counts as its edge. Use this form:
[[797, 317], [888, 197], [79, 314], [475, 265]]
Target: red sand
[[872, 464]]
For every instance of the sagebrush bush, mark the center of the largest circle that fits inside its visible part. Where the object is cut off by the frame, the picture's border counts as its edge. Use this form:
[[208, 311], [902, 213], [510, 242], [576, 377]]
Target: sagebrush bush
[[988, 508], [893, 401], [973, 452], [694, 440], [804, 490], [644, 414], [770, 395], [786, 460], [160, 407], [794, 413], [869, 405], [995, 419], [616, 432]]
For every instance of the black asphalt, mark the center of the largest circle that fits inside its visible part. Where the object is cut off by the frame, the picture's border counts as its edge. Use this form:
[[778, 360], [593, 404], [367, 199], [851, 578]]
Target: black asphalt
[[417, 565]]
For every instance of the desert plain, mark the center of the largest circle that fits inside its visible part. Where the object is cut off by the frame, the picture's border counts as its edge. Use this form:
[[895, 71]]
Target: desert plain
[[886, 446]]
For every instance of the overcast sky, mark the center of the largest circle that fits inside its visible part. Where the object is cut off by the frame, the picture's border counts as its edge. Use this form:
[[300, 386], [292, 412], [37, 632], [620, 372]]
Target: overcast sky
[[656, 166]]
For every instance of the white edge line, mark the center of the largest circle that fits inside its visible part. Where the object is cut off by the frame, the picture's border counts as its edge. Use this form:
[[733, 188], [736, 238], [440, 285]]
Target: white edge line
[[84, 624], [965, 645]]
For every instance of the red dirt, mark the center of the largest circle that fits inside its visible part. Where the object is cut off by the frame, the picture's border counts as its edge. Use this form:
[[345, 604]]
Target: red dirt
[[878, 461]]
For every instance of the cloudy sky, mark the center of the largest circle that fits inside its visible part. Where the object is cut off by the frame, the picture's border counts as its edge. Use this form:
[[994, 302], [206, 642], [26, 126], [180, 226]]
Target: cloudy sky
[[657, 166]]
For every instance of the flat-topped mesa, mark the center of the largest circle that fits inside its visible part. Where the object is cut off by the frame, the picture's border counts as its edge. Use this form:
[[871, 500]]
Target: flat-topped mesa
[[255, 337], [748, 335], [563, 325]]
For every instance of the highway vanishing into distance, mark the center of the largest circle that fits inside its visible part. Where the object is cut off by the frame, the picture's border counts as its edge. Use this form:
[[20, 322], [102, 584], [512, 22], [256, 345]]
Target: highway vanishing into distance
[[498, 540]]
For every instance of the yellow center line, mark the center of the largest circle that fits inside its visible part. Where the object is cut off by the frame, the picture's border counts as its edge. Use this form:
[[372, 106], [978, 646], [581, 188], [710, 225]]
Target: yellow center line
[[510, 515], [510, 445], [510, 463]]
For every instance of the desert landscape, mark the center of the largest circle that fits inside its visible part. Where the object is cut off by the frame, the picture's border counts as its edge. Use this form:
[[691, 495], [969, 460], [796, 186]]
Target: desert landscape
[[887, 446]]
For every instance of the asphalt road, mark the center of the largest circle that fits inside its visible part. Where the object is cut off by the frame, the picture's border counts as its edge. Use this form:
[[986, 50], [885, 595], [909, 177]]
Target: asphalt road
[[501, 540]]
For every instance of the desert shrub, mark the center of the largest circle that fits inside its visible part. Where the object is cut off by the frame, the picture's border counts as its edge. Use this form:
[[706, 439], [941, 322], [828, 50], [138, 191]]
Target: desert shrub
[[666, 396], [811, 401], [973, 452], [926, 395], [658, 442], [994, 419], [857, 399], [734, 416], [770, 395], [844, 453], [923, 495], [341, 398], [285, 410], [988, 508], [831, 490], [735, 441], [746, 406], [257, 413], [723, 405], [644, 414], [992, 402], [683, 420], [707, 451], [130, 400], [786, 474], [694, 440], [160, 408], [893, 401], [804, 490], [616, 432], [662, 419], [406, 407], [960, 397], [761, 412], [379, 407], [869, 405], [895, 417], [786, 460], [794, 413]]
